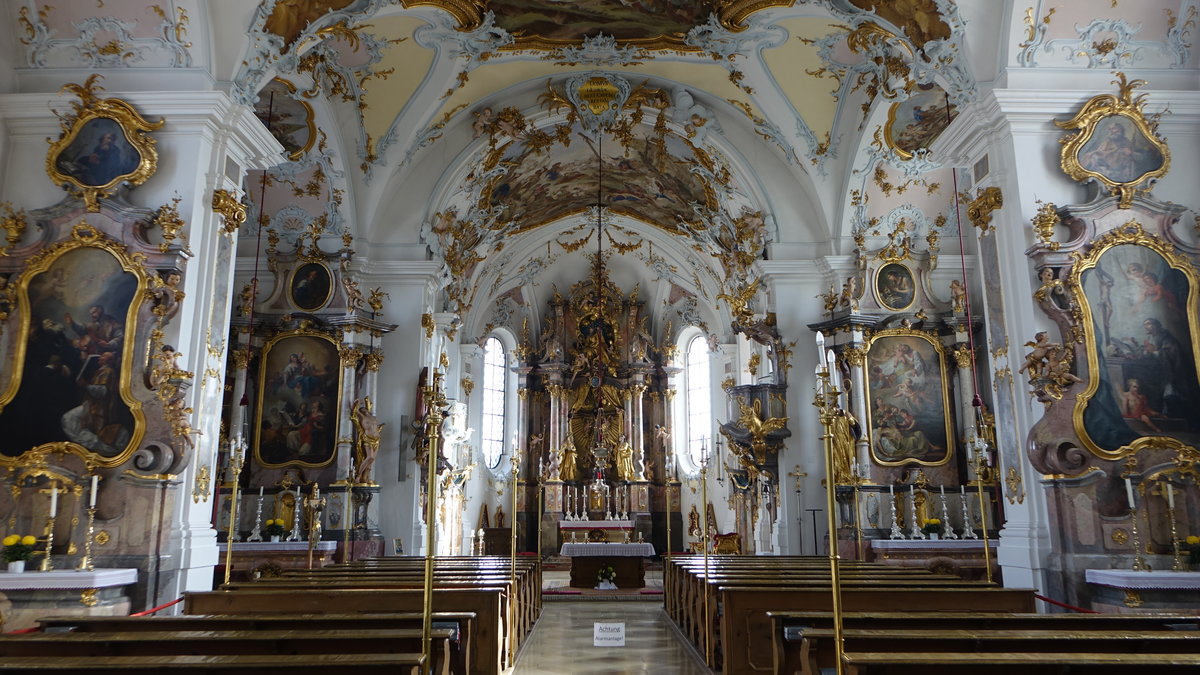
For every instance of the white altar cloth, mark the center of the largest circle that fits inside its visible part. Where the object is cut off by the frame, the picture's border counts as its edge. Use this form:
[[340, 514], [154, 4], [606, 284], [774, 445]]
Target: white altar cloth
[[643, 550]]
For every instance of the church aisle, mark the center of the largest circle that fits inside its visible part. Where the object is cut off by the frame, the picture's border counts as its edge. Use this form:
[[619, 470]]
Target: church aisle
[[562, 641]]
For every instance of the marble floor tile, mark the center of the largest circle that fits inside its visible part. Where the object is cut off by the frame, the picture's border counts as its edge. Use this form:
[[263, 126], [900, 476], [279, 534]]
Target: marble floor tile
[[561, 642]]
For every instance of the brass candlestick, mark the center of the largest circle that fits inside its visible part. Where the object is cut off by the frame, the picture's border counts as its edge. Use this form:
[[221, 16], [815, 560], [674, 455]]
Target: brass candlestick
[[512, 626], [433, 422], [47, 565], [1139, 560], [86, 563], [1177, 562], [708, 651], [826, 402], [237, 456], [313, 506]]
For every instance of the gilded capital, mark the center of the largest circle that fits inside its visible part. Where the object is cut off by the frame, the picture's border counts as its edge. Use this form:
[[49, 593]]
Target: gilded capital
[[232, 210]]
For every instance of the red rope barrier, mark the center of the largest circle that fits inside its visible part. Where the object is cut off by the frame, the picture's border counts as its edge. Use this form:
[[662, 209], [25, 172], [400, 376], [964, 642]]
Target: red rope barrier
[[1064, 605], [25, 631], [160, 607]]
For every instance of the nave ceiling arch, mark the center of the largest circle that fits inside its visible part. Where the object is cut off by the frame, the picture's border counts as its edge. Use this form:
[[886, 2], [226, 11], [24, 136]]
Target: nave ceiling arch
[[792, 96]]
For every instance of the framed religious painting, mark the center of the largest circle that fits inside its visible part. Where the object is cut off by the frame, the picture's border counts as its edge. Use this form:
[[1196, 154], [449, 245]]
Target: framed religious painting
[[895, 287], [102, 145], [78, 303], [1139, 301], [908, 400], [1114, 144], [290, 120], [299, 383], [915, 123], [311, 286]]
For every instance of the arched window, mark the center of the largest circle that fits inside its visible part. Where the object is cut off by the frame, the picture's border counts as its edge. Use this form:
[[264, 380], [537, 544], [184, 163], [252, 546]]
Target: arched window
[[495, 383], [698, 401]]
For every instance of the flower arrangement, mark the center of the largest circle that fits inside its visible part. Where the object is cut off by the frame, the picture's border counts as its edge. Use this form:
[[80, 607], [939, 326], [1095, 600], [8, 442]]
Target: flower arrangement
[[932, 526], [17, 547], [1192, 546], [273, 528], [606, 574]]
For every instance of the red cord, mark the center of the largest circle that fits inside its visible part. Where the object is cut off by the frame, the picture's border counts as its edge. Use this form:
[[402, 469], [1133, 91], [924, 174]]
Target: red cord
[[1064, 605], [160, 607]]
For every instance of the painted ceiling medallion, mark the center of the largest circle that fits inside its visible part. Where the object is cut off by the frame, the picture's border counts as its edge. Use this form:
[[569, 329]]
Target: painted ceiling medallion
[[553, 24]]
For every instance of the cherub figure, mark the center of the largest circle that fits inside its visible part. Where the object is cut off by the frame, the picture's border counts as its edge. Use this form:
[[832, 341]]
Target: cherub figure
[[850, 294], [1036, 361], [354, 297], [958, 296]]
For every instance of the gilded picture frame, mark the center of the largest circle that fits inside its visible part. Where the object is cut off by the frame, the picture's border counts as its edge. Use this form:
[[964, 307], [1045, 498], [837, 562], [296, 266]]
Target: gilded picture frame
[[909, 420], [299, 400], [914, 124], [102, 144], [290, 120], [61, 393], [895, 286], [1136, 298], [1114, 144], [311, 286]]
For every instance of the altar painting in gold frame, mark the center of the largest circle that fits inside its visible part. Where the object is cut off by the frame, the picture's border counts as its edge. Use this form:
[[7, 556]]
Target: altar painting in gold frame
[[299, 385], [908, 401], [102, 144], [71, 385], [1139, 304], [1114, 143]]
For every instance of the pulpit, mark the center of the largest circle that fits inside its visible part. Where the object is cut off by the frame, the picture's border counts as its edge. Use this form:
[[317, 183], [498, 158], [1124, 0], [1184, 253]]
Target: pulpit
[[627, 560]]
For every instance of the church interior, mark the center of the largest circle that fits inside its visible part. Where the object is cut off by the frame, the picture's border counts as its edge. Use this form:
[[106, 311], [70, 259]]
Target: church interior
[[847, 307]]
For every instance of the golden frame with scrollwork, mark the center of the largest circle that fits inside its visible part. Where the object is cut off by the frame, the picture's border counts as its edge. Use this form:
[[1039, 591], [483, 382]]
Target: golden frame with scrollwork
[[1113, 112], [86, 120], [1130, 234], [333, 360], [937, 351], [83, 236]]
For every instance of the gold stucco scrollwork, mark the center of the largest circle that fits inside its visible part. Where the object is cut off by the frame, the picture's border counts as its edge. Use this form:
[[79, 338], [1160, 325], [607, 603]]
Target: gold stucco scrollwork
[[14, 226], [233, 211], [855, 356], [88, 597], [427, 324], [200, 491], [979, 209], [1044, 222]]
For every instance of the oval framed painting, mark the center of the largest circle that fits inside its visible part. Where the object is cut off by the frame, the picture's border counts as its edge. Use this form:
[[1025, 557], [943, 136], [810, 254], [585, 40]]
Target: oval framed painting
[[311, 286], [895, 287]]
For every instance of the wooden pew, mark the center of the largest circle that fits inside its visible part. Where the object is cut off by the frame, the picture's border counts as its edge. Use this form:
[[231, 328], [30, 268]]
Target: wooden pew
[[458, 623], [789, 628], [818, 649], [745, 628], [229, 664], [901, 663], [228, 642], [488, 653]]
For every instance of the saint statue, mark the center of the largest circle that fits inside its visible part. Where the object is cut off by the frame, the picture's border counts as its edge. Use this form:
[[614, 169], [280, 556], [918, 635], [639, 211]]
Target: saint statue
[[569, 464], [624, 461], [368, 430]]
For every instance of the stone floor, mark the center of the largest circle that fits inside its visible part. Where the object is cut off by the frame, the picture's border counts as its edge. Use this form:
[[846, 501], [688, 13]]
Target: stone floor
[[561, 641]]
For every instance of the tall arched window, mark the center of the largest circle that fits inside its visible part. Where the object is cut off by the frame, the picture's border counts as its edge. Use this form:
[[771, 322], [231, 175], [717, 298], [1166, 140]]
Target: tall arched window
[[698, 399], [495, 382]]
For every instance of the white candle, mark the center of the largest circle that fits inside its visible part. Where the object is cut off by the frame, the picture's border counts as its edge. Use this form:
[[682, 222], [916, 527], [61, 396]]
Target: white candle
[[963, 489], [92, 504], [891, 490], [1129, 491], [260, 491], [943, 490], [820, 351], [830, 359], [1170, 496], [53, 499]]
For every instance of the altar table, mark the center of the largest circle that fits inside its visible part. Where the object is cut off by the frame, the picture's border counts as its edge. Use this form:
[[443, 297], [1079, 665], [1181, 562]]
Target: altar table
[[1129, 592], [32, 595], [627, 560], [252, 559]]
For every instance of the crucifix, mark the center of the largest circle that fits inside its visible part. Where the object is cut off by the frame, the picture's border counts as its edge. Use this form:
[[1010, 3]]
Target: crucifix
[[797, 475]]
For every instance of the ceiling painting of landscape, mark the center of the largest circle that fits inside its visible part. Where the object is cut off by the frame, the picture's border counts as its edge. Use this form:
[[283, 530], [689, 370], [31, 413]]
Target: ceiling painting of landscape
[[645, 180]]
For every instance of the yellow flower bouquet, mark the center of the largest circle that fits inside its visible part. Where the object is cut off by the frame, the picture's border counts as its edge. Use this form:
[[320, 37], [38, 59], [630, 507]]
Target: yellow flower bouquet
[[1192, 546], [17, 547], [932, 526], [274, 527]]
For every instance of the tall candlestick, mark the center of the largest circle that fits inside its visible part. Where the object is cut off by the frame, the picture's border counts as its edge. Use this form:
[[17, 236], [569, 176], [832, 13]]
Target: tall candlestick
[[92, 504], [1129, 491], [1170, 496]]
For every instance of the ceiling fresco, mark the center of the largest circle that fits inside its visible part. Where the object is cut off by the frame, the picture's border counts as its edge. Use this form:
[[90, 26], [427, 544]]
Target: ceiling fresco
[[643, 178], [566, 22]]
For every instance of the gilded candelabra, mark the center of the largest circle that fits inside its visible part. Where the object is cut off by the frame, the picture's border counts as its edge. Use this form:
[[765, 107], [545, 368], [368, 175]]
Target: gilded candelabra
[[1177, 553], [433, 422], [825, 399], [47, 564], [984, 475], [512, 626], [87, 563], [237, 457], [1139, 560], [708, 646], [312, 507]]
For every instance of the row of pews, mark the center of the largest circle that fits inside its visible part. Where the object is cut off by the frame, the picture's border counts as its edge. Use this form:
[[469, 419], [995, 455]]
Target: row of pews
[[774, 615], [365, 617]]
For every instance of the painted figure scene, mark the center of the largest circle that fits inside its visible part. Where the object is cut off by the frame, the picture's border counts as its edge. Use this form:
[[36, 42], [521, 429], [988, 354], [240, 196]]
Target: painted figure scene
[[298, 408], [908, 412], [1147, 366]]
